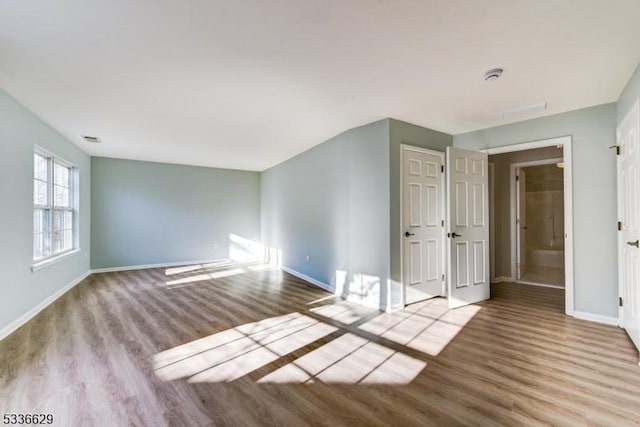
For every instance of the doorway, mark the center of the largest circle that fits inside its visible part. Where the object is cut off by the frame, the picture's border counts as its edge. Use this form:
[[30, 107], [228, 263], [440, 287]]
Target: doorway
[[519, 254]]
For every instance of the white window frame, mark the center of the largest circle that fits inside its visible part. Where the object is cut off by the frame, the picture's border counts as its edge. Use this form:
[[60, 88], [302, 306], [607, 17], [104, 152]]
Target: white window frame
[[52, 160]]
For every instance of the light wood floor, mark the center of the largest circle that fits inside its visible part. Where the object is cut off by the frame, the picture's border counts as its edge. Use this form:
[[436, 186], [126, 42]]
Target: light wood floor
[[246, 347]]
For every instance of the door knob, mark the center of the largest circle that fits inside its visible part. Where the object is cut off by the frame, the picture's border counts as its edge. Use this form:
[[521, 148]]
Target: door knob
[[636, 243], [407, 234], [454, 235]]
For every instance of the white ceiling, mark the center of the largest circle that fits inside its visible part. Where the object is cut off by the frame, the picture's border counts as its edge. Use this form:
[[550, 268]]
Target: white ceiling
[[246, 84]]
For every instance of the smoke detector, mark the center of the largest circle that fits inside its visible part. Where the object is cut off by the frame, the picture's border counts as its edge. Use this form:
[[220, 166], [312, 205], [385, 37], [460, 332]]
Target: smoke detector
[[92, 139], [493, 74]]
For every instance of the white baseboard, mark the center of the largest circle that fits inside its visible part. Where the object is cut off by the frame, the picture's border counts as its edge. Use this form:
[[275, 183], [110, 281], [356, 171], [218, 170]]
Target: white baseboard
[[13, 326], [161, 265], [540, 285], [365, 302], [392, 308], [502, 279], [596, 318], [311, 280], [329, 288]]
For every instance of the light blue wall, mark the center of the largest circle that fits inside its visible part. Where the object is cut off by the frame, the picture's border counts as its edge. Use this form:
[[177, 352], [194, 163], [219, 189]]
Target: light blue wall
[[22, 290], [332, 203], [594, 194], [152, 213], [405, 133], [629, 95]]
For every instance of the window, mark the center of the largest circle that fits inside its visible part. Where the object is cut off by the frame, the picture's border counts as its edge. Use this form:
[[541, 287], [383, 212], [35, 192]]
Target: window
[[53, 232]]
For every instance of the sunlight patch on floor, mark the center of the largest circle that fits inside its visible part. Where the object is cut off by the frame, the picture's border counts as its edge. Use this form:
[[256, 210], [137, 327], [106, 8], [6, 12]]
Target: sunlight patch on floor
[[427, 326], [344, 311], [349, 359], [345, 357], [195, 267], [207, 276], [231, 354], [323, 299], [217, 271]]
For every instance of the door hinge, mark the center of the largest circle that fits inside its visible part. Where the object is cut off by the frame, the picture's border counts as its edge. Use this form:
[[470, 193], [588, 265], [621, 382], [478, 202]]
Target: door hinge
[[443, 277], [617, 147], [620, 301], [442, 168], [442, 222], [517, 177], [619, 225]]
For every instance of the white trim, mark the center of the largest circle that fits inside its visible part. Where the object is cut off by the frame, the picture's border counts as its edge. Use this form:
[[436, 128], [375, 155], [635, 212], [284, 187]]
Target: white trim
[[562, 140], [306, 278], [48, 153], [145, 266], [502, 279], [53, 260], [330, 289], [13, 326], [492, 221], [74, 185], [371, 304], [515, 204], [566, 142], [540, 285], [405, 147], [607, 320]]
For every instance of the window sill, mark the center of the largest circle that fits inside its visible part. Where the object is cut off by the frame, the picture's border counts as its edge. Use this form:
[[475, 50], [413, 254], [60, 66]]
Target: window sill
[[54, 260]]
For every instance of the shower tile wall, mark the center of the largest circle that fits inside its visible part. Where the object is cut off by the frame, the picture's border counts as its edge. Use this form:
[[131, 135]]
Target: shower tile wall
[[544, 255]]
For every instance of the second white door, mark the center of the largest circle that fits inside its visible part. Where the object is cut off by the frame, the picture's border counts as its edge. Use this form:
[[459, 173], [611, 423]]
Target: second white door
[[468, 210]]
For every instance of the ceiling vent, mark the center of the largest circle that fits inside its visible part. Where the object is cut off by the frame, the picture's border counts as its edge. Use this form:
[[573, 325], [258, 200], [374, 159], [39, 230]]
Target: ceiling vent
[[527, 110], [92, 139], [493, 74]]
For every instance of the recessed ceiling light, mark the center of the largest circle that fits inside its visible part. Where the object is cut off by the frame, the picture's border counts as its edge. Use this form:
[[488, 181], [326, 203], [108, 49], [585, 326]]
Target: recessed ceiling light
[[92, 139], [493, 74]]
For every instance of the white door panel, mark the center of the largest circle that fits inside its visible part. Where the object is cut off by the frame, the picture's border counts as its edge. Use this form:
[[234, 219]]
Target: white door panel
[[628, 136], [422, 218], [468, 241]]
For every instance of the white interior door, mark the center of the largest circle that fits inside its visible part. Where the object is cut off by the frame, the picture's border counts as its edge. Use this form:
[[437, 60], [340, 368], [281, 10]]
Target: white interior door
[[468, 237], [521, 223], [422, 223], [629, 215]]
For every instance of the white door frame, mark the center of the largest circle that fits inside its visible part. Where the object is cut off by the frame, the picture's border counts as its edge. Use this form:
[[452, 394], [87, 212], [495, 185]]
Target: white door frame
[[631, 115], [402, 225], [515, 230], [566, 142], [492, 222]]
